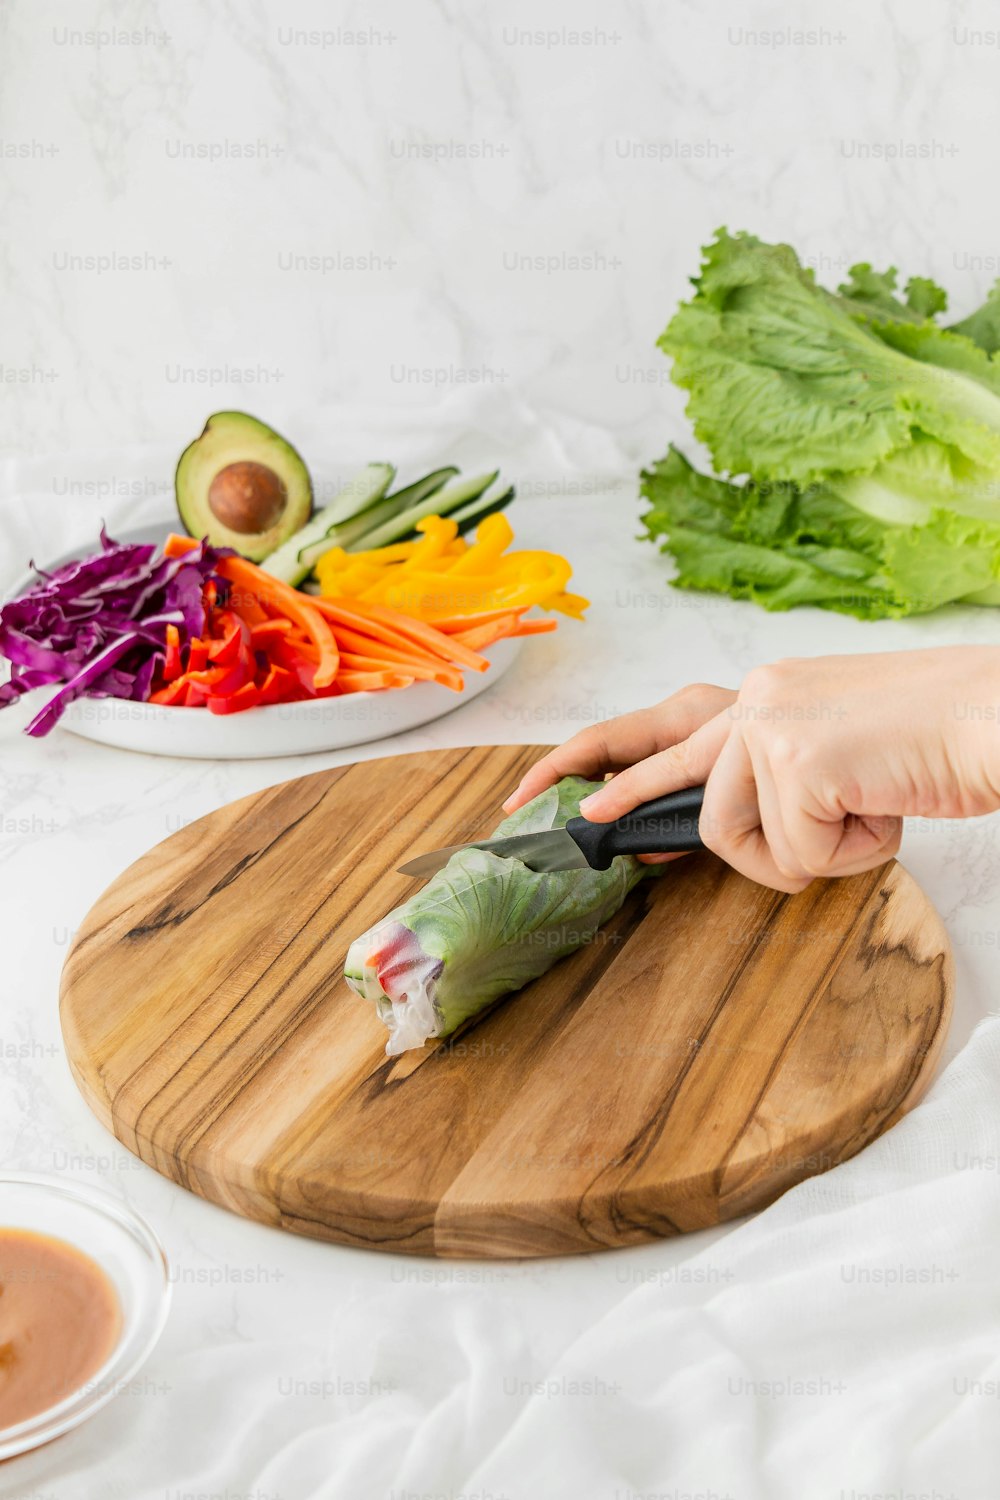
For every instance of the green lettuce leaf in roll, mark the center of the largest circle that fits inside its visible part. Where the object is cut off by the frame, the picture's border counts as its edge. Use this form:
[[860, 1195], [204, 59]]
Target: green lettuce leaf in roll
[[482, 927]]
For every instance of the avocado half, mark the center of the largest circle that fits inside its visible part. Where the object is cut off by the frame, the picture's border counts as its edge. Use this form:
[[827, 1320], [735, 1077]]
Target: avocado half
[[242, 485]]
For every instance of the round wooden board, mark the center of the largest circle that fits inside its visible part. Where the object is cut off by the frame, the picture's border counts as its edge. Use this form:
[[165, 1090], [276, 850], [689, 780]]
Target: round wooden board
[[715, 1044]]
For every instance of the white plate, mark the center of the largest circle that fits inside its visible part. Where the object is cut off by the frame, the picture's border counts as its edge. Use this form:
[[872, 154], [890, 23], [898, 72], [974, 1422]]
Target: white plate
[[281, 728]]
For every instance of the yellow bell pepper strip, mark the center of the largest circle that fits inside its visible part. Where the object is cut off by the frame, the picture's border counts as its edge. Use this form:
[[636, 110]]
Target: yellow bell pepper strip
[[438, 533], [493, 537], [440, 576], [569, 604], [346, 574]]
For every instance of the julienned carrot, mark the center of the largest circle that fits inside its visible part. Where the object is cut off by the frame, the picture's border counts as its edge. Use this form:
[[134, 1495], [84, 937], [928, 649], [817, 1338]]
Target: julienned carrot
[[449, 677], [305, 649], [370, 682], [402, 626], [533, 627], [285, 600], [351, 663], [247, 606], [485, 635], [368, 635], [379, 634], [296, 637], [249, 611], [179, 546], [455, 624], [274, 594], [419, 631], [287, 645], [263, 633], [478, 637], [482, 636], [403, 658]]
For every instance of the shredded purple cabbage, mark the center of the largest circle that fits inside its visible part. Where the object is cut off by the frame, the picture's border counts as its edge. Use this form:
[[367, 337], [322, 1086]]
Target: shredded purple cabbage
[[98, 626]]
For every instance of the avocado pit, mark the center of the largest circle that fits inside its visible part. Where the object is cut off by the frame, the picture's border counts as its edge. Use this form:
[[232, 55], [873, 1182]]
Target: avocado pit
[[247, 497]]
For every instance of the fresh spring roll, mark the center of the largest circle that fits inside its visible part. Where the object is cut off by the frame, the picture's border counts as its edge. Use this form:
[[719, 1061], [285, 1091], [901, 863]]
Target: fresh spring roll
[[482, 927]]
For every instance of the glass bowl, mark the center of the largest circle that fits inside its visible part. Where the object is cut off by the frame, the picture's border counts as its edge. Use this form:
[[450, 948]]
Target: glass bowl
[[128, 1252]]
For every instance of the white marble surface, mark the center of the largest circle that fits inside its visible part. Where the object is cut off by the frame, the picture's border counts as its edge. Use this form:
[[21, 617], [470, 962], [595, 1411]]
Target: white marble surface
[[779, 1358]]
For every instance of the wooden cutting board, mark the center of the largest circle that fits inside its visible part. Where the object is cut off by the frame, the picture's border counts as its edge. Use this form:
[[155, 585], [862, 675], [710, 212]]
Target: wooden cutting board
[[717, 1043]]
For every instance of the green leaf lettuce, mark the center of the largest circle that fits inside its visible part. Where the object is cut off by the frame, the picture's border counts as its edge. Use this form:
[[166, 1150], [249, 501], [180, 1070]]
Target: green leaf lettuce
[[856, 440]]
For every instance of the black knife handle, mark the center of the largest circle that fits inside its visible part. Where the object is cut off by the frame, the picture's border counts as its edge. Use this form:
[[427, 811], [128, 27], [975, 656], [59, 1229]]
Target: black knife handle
[[667, 825]]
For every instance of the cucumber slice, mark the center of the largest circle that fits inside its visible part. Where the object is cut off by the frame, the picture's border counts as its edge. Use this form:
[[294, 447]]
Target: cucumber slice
[[465, 491], [367, 486], [421, 488], [471, 515], [443, 502], [358, 526]]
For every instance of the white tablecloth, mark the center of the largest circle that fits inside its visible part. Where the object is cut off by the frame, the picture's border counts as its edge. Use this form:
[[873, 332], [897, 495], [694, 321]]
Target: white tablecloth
[[844, 1343]]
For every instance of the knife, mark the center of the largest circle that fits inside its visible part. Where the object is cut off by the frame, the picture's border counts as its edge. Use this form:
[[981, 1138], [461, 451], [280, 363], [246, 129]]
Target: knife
[[667, 825]]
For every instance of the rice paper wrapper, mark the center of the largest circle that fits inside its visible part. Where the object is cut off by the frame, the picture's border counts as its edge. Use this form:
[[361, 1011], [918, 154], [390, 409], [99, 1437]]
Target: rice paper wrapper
[[483, 927]]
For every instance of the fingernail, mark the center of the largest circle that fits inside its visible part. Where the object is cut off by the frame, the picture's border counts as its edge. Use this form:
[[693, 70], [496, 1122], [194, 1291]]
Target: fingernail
[[505, 806], [588, 803]]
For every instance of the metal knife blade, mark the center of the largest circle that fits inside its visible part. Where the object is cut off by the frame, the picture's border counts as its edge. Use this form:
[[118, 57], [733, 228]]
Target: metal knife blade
[[665, 825], [551, 850]]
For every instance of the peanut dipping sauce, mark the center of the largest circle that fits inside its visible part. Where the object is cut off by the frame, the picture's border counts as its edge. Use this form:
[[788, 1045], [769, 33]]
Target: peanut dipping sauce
[[59, 1321]]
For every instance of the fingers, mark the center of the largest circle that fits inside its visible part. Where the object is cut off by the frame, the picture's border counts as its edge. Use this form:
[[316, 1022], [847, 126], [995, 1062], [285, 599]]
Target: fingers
[[865, 844], [836, 844], [761, 816], [732, 823], [783, 853], [768, 808], [685, 764], [590, 753], [623, 741]]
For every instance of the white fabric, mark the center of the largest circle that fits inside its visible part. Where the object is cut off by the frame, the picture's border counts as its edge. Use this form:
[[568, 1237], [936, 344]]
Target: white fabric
[[844, 1343]]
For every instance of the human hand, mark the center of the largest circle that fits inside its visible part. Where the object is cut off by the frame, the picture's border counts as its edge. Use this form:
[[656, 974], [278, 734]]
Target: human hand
[[810, 768]]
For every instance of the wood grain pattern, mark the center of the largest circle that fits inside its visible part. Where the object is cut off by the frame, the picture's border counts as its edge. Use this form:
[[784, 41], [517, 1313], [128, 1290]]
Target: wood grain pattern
[[714, 1045]]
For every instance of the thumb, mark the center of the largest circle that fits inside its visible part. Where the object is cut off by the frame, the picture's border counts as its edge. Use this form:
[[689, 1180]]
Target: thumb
[[685, 764]]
